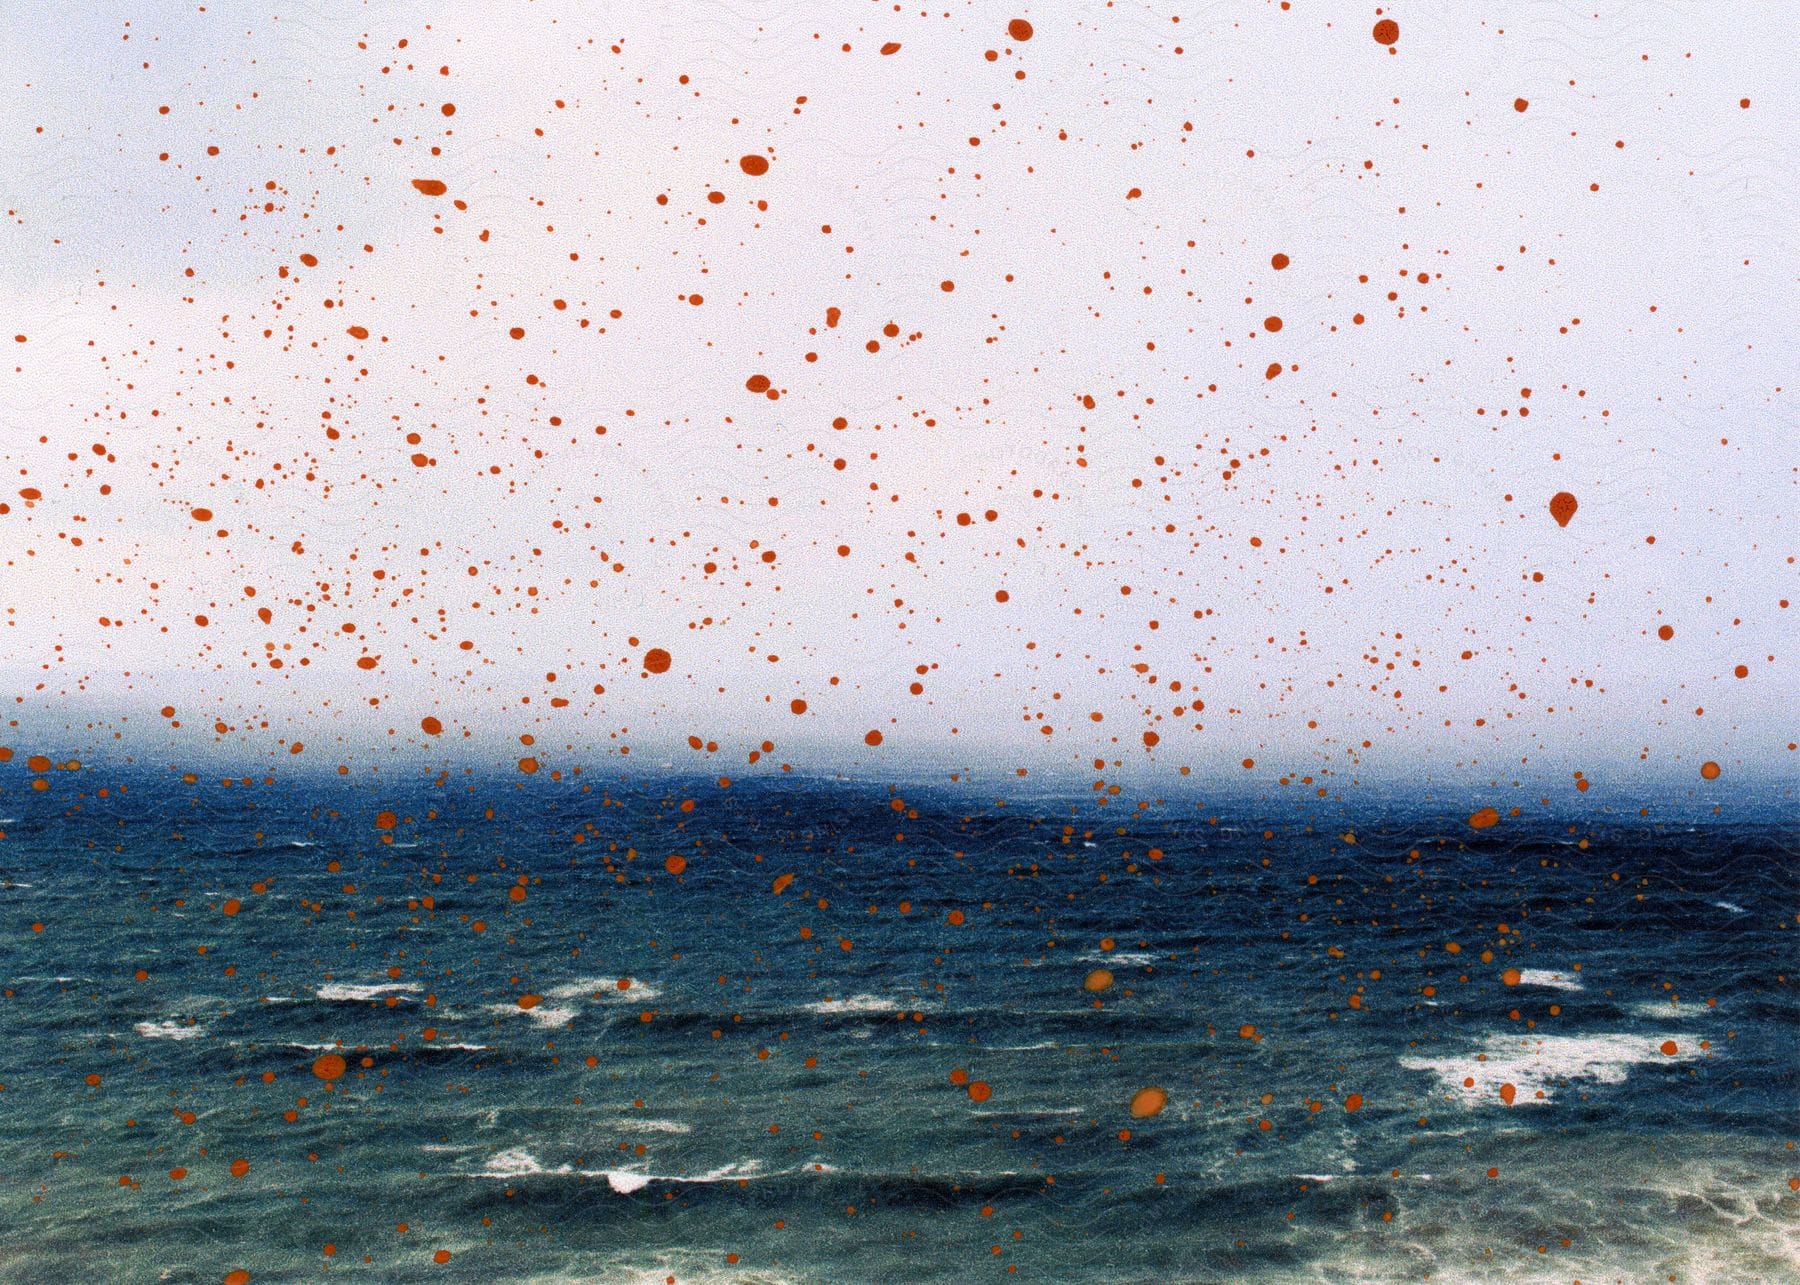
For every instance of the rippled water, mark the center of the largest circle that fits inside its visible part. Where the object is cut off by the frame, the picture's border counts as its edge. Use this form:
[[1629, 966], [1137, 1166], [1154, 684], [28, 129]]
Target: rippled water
[[713, 1081]]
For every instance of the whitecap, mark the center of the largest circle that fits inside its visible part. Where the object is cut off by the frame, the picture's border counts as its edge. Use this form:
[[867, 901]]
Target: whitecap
[[542, 1014], [626, 1181], [1540, 1064], [169, 1030], [605, 988], [862, 1004], [1121, 957], [344, 991], [1545, 977]]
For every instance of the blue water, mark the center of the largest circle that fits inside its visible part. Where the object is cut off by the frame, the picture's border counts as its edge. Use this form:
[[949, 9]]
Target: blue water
[[785, 1077]]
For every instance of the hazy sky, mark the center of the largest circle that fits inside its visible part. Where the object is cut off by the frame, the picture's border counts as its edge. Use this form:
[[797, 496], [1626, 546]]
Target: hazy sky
[[1259, 512]]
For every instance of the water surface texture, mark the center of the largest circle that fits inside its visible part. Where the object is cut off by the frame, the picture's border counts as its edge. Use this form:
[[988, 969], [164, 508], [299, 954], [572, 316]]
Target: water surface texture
[[482, 1030]]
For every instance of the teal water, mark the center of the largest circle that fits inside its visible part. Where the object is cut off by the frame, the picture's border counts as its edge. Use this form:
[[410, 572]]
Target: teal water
[[780, 1090]]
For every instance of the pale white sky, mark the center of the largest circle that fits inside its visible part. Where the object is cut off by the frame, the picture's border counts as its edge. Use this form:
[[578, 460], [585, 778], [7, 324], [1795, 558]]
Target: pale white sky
[[1377, 465]]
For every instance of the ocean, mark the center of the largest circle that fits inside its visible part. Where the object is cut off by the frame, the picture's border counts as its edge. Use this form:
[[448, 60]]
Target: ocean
[[654, 1029]]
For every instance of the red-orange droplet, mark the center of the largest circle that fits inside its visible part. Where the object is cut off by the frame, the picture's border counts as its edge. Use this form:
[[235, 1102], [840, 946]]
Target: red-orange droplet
[[1670, 1048], [1147, 1102], [1353, 1102], [781, 884], [1709, 771], [979, 1091], [1484, 819], [891, 47], [753, 164], [1507, 1093], [656, 660], [1019, 29], [1562, 507], [430, 726], [1386, 32], [329, 1066], [430, 186], [675, 864], [1511, 977], [529, 1002], [1519, 104], [386, 820], [202, 515], [872, 738]]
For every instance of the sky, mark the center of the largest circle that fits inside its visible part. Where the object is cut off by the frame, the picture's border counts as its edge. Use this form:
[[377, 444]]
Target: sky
[[1139, 389]]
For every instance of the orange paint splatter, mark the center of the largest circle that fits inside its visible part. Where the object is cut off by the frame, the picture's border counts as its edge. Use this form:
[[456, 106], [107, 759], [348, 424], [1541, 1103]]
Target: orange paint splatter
[[1147, 1102]]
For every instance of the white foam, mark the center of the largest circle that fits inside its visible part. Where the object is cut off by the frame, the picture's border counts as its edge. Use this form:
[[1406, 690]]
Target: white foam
[[1545, 977], [1542, 1063], [626, 1181], [653, 1126], [542, 1014], [863, 1004], [169, 1030], [1122, 957], [347, 992], [605, 989], [518, 1163]]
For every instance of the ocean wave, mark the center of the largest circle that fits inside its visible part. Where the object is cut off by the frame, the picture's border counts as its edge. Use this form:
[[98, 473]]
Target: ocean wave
[[345, 992], [1545, 977], [605, 989], [868, 1004], [1537, 1066], [543, 1014], [169, 1030], [1133, 958]]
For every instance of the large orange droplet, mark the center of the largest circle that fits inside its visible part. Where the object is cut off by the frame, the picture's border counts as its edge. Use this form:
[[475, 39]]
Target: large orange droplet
[[1148, 1102], [979, 1091], [1508, 1093], [753, 164], [1483, 819], [430, 186], [656, 661], [1709, 771], [1019, 30], [1098, 980], [329, 1066], [1562, 507], [1386, 32]]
